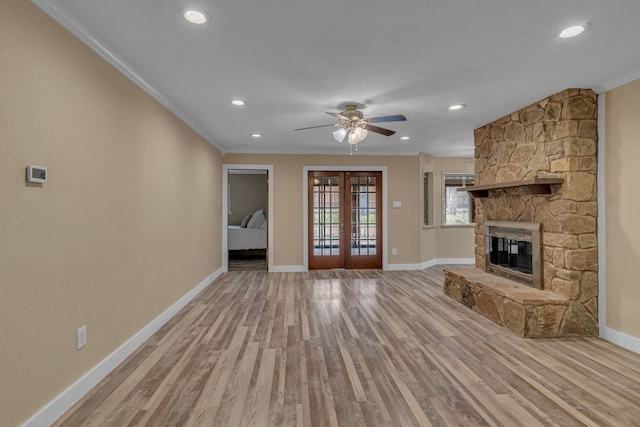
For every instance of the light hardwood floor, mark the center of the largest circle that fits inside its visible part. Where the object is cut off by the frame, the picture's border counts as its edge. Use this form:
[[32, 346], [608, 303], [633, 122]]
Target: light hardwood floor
[[367, 348]]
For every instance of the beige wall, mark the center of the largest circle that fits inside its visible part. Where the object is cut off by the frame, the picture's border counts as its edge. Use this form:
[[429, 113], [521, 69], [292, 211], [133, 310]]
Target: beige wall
[[622, 153], [404, 179], [403, 182], [118, 234], [440, 241], [248, 193]]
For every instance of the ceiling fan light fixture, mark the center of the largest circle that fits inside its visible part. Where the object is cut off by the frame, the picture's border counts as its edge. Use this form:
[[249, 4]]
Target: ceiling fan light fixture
[[405, 138], [356, 135], [196, 17], [354, 127], [340, 134], [256, 135], [456, 107], [238, 102]]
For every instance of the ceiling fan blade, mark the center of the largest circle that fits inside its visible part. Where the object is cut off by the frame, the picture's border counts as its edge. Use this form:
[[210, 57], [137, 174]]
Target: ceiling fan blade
[[319, 126], [379, 130], [338, 116], [395, 118]]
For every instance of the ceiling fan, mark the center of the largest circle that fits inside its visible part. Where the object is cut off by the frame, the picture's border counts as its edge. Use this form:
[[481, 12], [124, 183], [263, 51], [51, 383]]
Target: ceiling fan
[[356, 127]]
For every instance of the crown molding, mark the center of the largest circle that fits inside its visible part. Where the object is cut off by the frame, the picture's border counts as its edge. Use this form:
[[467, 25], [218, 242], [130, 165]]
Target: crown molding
[[617, 82], [71, 24]]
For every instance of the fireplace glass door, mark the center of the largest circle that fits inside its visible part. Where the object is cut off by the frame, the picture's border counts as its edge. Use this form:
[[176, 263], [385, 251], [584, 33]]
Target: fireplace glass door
[[511, 253], [513, 250]]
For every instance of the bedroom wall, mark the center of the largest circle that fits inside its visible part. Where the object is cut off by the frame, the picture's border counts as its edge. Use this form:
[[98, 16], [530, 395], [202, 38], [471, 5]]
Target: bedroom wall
[[118, 234], [403, 181], [622, 151], [248, 193]]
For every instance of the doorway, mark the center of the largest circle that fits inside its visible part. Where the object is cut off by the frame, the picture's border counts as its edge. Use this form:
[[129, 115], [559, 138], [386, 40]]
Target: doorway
[[345, 219], [247, 195]]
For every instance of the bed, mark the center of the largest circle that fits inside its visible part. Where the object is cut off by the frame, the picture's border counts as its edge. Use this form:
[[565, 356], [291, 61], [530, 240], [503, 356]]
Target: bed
[[251, 234], [241, 239]]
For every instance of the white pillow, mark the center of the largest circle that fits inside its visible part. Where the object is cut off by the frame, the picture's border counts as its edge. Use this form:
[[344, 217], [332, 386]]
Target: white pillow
[[257, 219], [245, 221]]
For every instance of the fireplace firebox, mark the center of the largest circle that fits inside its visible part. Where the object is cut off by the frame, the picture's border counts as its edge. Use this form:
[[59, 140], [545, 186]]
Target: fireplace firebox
[[512, 250]]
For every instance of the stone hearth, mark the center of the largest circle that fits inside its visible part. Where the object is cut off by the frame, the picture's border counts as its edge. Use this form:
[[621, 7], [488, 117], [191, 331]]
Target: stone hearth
[[554, 138], [526, 311]]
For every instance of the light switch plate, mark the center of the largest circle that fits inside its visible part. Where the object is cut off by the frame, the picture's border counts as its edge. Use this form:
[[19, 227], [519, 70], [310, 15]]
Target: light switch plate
[[81, 337], [397, 204]]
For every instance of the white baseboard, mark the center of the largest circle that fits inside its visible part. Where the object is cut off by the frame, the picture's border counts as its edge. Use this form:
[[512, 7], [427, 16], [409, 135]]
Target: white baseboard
[[288, 268], [65, 400], [430, 263], [389, 267], [623, 340], [455, 261], [58, 406], [406, 267]]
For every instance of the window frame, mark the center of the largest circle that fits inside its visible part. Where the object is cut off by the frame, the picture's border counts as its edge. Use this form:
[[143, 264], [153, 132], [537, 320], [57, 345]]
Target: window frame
[[427, 199], [457, 180]]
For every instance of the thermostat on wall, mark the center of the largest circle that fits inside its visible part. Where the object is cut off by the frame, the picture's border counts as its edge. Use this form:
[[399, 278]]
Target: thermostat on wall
[[36, 173]]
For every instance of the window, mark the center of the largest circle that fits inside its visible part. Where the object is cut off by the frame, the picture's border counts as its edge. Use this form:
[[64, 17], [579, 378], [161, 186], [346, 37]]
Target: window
[[459, 207], [427, 190]]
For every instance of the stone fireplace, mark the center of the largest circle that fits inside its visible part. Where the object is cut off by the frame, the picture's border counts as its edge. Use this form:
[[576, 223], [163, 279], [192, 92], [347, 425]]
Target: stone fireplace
[[536, 166]]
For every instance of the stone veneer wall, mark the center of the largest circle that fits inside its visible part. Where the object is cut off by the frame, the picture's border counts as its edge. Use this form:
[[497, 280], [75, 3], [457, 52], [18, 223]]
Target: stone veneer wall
[[555, 137]]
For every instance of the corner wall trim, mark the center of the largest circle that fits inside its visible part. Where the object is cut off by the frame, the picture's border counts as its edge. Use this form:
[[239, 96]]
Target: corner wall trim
[[602, 217], [623, 340], [65, 400]]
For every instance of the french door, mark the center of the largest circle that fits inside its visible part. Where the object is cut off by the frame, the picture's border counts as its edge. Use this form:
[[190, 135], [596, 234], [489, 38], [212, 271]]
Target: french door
[[345, 220]]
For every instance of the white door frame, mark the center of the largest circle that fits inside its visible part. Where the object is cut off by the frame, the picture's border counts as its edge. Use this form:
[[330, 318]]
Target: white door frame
[[305, 206], [225, 210]]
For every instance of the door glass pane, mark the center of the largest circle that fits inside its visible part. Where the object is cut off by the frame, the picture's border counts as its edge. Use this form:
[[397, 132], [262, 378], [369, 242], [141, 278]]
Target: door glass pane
[[326, 216], [363, 216]]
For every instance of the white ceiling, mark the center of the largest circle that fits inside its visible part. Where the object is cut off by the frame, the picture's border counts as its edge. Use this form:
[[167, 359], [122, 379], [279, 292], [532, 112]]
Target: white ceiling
[[292, 60]]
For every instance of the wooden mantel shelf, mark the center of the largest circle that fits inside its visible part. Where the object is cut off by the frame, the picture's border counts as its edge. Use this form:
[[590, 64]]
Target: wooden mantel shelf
[[533, 186]]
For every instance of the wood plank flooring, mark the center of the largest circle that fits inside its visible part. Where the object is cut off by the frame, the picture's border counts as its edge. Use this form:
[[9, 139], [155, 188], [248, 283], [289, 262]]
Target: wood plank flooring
[[247, 265], [357, 348]]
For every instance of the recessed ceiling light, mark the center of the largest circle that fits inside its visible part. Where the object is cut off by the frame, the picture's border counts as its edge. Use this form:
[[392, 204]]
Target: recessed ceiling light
[[576, 30], [455, 107], [238, 102], [195, 16], [405, 138], [256, 135]]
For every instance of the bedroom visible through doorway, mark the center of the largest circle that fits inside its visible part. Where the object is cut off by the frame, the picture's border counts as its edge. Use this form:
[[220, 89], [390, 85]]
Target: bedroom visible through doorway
[[247, 219]]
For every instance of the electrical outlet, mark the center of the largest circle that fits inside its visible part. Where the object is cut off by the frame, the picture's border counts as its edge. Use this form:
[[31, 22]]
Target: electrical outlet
[[206, 261], [81, 337], [394, 251]]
